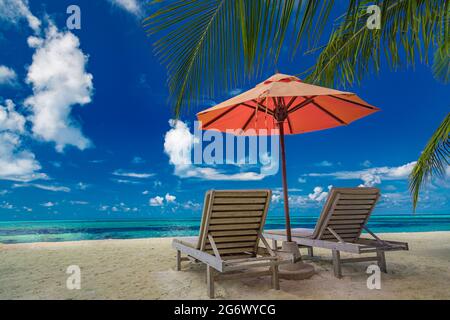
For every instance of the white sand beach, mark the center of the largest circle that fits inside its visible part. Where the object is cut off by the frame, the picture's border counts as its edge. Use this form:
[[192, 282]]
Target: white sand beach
[[145, 269]]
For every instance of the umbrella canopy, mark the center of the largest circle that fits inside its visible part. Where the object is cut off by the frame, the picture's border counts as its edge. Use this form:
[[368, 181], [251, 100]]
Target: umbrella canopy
[[309, 108], [285, 103]]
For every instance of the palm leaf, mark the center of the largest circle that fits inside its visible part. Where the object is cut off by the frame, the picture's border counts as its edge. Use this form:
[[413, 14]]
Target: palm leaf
[[205, 44], [408, 30], [434, 159]]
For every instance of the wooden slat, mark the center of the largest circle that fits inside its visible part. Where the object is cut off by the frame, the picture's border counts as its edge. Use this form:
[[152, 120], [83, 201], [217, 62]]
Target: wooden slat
[[228, 214], [238, 207], [356, 221], [237, 250], [346, 212], [239, 200], [215, 221], [344, 196], [234, 226], [354, 207], [240, 194], [348, 217], [344, 237], [346, 226], [232, 245], [233, 233], [369, 202], [237, 256], [234, 239], [344, 231]]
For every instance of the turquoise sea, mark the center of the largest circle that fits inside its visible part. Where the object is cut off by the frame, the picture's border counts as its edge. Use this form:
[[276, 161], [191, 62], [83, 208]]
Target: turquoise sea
[[64, 230]]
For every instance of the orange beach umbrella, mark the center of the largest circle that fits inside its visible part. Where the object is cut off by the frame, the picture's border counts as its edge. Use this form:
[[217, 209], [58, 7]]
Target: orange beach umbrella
[[285, 103]]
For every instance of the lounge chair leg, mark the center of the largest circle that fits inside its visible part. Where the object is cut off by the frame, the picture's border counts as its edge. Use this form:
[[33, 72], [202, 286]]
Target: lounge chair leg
[[337, 263], [275, 278], [382, 260], [310, 252], [210, 281], [178, 260], [274, 245]]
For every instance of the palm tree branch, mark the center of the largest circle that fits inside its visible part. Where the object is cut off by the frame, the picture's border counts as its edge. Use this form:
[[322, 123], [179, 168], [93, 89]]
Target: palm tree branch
[[353, 49], [434, 160]]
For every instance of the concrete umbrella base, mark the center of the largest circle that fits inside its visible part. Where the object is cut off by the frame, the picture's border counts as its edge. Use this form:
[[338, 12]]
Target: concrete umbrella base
[[298, 270]]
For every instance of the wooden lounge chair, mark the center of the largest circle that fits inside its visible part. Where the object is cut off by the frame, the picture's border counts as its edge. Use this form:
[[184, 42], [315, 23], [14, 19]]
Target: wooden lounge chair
[[339, 227], [230, 232]]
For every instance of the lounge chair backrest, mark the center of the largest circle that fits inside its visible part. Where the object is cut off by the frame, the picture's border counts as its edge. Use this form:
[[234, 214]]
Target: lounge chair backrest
[[346, 212], [234, 218], [204, 218]]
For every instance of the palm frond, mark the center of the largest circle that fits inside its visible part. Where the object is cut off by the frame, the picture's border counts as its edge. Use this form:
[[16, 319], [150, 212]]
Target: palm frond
[[441, 62], [408, 30], [434, 159], [205, 44]]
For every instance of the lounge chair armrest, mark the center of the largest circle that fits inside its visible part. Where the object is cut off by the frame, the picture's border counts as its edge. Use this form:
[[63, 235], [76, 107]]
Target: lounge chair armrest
[[202, 256]]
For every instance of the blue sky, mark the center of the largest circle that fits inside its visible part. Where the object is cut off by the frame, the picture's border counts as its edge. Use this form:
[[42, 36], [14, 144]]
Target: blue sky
[[84, 119]]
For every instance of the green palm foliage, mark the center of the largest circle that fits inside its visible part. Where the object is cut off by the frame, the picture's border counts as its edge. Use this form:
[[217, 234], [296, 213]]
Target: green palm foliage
[[434, 160], [205, 44], [410, 29]]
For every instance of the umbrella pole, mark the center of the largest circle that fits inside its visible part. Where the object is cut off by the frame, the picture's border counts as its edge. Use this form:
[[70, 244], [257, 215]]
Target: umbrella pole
[[285, 187], [296, 270]]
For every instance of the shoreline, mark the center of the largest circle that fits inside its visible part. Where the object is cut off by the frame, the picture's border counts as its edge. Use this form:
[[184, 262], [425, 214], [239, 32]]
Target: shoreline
[[74, 242], [145, 269]]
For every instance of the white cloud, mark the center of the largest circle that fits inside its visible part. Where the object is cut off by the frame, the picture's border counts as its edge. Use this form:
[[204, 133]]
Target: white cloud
[[145, 192], [7, 76], [122, 173], [82, 186], [371, 176], [59, 80], [169, 198], [132, 6], [324, 163], [6, 205], [96, 161], [190, 205], [159, 201], [276, 197], [125, 181], [10, 119], [366, 164], [157, 183], [46, 187], [178, 144], [137, 160], [17, 164], [156, 201], [318, 194], [13, 11], [78, 202], [301, 180], [48, 204]]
